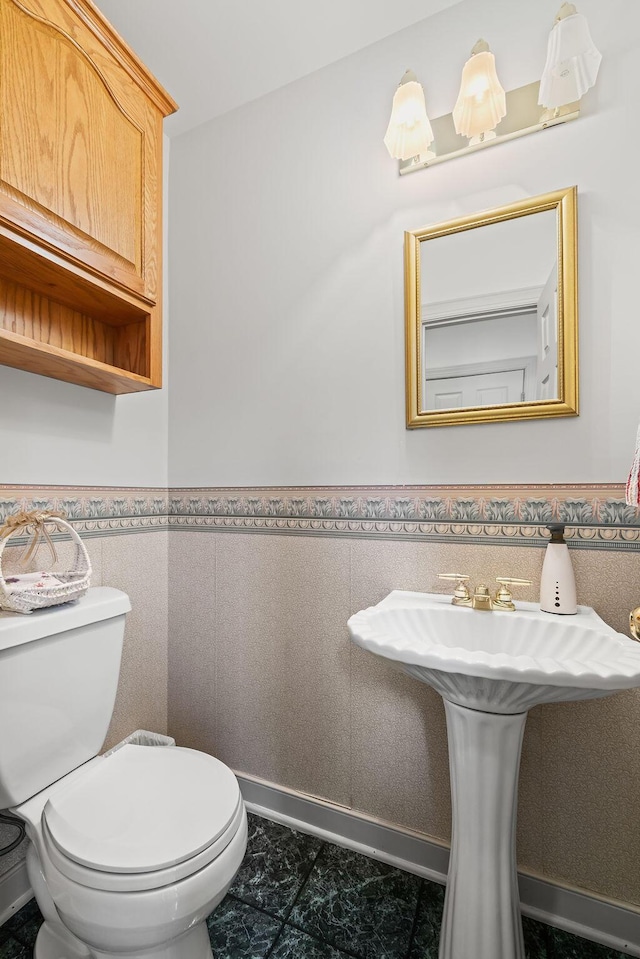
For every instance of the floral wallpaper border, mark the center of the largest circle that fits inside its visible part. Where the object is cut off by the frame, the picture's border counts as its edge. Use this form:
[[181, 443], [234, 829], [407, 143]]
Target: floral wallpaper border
[[92, 509], [596, 515]]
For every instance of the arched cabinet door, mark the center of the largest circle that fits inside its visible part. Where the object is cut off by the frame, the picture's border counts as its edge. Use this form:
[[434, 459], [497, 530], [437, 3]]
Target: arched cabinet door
[[80, 189]]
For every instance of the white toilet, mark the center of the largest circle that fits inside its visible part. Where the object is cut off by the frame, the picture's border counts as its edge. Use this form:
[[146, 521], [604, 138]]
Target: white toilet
[[131, 851]]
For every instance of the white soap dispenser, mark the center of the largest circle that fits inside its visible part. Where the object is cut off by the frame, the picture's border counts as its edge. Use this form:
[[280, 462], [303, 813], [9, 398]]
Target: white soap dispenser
[[558, 583]]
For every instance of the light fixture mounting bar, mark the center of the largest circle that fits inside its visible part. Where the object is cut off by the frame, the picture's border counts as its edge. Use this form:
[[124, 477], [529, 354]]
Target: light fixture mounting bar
[[524, 116]]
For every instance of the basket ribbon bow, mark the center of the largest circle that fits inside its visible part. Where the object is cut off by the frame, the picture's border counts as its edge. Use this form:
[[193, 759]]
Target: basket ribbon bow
[[35, 523]]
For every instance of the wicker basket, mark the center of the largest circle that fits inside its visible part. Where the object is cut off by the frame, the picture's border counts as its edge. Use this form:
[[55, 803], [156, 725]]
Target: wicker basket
[[70, 585]]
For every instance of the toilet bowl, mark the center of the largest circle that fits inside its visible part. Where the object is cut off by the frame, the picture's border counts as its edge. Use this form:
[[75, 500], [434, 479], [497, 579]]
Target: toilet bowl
[[135, 850], [130, 851]]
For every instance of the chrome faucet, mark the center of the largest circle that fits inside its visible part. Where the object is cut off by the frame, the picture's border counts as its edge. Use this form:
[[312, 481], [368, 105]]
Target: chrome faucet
[[481, 597]]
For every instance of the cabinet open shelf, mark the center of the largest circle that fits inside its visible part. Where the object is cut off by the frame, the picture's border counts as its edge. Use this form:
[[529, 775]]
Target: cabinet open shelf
[[110, 349], [35, 356]]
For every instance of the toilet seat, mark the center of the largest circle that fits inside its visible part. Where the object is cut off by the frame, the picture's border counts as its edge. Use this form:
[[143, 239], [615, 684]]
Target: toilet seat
[[142, 818]]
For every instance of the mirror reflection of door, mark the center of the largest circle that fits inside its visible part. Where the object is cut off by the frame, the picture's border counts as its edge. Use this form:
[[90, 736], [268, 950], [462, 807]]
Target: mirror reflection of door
[[476, 389], [489, 314]]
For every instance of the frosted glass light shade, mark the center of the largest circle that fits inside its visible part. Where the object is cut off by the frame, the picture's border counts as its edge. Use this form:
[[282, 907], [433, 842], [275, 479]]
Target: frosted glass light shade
[[409, 132], [572, 62], [481, 102]]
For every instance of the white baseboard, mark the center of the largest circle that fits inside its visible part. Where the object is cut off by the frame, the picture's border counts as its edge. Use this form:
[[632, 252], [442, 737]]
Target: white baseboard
[[612, 924], [15, 890]]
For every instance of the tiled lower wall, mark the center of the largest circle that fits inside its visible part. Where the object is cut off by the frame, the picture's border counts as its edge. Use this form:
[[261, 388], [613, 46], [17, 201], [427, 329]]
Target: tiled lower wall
[[262, 673], [134, 563]]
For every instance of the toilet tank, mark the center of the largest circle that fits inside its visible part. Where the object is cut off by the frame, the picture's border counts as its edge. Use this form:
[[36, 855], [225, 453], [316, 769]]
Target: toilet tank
[[58, 680]]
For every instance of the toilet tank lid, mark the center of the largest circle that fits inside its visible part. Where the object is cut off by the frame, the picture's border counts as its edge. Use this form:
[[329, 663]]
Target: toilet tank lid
[[98, 603]]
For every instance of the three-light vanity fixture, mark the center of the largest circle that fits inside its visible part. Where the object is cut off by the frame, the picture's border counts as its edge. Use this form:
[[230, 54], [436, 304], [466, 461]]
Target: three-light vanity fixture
[[484, 113]]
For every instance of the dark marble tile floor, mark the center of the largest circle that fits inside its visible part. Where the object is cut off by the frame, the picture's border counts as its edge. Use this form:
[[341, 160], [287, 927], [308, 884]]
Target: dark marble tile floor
[[297, 897]]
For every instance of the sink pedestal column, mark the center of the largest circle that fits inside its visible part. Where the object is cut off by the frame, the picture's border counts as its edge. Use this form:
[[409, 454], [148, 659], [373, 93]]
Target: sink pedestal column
[[482, 906]]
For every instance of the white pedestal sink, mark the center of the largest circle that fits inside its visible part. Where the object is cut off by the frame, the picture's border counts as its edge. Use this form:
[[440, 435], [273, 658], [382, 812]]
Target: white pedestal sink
[[491, 668]]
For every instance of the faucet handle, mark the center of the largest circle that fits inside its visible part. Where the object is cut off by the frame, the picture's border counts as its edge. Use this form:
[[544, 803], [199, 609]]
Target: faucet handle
[[503, 598], [461, 595]]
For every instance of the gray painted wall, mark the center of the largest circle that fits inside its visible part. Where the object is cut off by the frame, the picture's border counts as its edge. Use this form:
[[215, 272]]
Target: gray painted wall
[[287, 218], [55, 433]]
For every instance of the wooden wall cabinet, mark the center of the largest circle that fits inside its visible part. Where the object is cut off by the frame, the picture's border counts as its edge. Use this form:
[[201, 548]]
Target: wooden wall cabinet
[[80, 199]]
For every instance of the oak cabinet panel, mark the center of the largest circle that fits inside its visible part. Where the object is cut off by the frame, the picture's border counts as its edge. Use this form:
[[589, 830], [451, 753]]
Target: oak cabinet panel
[[80, 195]]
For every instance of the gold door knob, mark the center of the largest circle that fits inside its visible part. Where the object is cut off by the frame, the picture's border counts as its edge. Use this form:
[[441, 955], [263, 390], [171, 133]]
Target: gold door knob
[[634, 623]]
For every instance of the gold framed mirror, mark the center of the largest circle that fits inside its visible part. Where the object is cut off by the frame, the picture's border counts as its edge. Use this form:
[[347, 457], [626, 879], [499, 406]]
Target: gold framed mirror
[[492, 315]]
